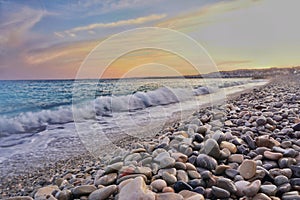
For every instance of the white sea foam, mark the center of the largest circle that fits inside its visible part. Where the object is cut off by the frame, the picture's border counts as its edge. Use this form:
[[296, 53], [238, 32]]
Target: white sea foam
[[29, 122]]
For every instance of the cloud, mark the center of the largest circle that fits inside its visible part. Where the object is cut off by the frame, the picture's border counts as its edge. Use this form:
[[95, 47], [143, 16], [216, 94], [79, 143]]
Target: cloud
[[15, 27], [98, 7], [92, 27]]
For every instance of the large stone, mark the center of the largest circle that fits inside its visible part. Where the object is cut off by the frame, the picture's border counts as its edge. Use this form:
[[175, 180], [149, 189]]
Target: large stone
[[83, 190], [103, 193], [247, 169], [136, 189], [43, 192], [107, 179]]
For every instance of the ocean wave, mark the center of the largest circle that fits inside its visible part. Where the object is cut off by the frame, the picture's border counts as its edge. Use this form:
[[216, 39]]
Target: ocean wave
[[102, 106], [30, 122]]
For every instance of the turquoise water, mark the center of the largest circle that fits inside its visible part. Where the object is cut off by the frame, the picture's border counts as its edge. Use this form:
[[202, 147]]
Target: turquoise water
[[30, 106]]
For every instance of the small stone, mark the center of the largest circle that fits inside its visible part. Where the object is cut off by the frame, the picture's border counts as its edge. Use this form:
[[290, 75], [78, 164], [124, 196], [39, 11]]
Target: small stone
[[296, 127], [196, 182], [272, 155], [253, 188], [179, 157], [211, 148], [136, 189], [180, 165], [231, 147], [286, 162], [113, 168], [63, 195], [280, 180], [189, 195], [295, 182], [170, 171], [263, 141], [250, 141], [247, 169], [43, 192], [221, 169], [269, 190], [206, 162], [168, 196], [132, 176], [193, 174], [284, 188], [169, 178], [286, 172], [158, 185], [138, 150], [103, 193], [226, 184], [202, 130], [200, 190], [83, 190], [220, 193], [164, 160], [190, 166], [168, 189], [180, 185], [241, 186], [260, 121], [237, 158], [296, 170], [231, 173]]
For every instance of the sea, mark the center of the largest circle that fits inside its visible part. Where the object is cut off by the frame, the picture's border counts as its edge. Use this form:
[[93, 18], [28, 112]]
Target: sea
[[46, 120]]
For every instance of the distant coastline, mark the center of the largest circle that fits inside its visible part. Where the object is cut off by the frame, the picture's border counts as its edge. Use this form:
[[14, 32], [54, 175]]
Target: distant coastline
[[238, 73]]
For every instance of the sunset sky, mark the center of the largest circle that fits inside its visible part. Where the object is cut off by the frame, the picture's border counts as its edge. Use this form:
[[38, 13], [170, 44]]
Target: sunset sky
[[41, 39]]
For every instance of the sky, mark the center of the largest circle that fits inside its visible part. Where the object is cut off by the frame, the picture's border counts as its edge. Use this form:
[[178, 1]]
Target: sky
[[42, 39]]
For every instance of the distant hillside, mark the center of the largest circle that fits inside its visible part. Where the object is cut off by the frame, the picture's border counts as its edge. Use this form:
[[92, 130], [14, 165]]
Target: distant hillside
[[254, 73]]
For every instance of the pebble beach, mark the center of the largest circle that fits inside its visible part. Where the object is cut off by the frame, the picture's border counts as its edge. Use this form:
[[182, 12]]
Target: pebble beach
[[247, 148]]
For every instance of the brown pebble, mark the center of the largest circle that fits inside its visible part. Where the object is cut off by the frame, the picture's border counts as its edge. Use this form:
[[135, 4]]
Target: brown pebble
[[167, 189]]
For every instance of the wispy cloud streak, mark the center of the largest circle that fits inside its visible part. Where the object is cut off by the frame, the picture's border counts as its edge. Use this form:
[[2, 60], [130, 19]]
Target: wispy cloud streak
[[91, 27]]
